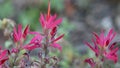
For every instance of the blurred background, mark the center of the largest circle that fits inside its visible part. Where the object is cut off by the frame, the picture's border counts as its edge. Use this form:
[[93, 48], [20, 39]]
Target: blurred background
[[80, 19]]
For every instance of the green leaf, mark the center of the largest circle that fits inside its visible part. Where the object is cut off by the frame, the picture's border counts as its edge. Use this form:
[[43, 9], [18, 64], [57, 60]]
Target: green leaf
[[22, 52], [8, 43]]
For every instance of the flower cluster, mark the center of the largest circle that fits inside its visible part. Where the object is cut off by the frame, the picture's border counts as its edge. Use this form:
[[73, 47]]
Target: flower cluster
[[49, 25], [17, 55], [103, 48]]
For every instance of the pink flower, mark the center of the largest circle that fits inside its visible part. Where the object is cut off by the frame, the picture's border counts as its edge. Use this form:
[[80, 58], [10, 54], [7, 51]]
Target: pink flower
[[15, 50], [35, 41], [53, 32], [3, 56], [50, 23], [103, 46], [103, 40], [30, 47], [91, 62], [54, 40], [55, 45], [58, 38], [18, 35], [112, 55]]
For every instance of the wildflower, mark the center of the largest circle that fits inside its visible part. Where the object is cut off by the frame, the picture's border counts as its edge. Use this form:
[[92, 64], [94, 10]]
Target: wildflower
[[53, 32], [103, 47], [15, 50], [3, 56], [35, 42], [49, 21], [112, 55], [54, 40], [49, 24], [104, 41], [91, 62], [55, 45], [58, 38], [18, 35]]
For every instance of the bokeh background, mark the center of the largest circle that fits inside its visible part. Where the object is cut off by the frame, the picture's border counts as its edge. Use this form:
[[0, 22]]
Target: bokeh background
[[80, 19]]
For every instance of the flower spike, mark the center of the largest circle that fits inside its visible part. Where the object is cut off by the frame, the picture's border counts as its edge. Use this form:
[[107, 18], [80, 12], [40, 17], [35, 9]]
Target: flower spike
[[103, 46]]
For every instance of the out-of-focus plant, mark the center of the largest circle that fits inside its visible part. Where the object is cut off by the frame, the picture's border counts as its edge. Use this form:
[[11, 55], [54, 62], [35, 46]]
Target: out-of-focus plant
[[7, 25], [104, 50]]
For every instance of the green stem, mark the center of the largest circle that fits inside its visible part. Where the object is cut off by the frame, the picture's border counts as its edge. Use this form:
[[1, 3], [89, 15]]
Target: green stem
[[46, 51]]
